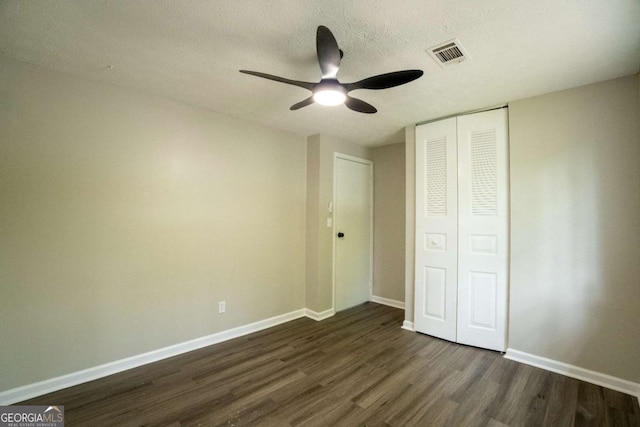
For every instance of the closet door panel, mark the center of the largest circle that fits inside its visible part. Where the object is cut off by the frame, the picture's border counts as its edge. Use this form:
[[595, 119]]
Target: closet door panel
[[436, 229], [483, 229]]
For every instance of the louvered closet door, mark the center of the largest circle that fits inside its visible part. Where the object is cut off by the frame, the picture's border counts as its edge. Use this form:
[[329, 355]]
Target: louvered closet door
[[482, 230], [436, 227]]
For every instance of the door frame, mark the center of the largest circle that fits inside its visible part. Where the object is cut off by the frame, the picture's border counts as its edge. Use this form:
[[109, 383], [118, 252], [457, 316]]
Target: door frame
[[369, 163]]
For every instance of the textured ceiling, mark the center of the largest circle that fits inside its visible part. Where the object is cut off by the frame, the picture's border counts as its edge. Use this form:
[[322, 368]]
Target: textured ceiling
[[191, 51]]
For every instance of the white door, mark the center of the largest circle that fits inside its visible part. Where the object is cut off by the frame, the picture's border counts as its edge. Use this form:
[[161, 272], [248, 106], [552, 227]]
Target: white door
[[462, 248], [352, 232], [436, 229], [482, 232]]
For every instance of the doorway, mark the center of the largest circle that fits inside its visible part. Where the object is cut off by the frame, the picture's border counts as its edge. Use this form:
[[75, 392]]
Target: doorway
[[353, 227]]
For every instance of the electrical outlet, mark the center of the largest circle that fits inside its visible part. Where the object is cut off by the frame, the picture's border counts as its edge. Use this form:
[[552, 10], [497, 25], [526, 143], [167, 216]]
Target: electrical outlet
[[222, 306]]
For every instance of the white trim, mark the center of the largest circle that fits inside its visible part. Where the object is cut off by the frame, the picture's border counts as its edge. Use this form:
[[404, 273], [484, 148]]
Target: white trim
[[29, 391], [337, 156], [387, 301], [408, 326], [576, 372], [319, 316]]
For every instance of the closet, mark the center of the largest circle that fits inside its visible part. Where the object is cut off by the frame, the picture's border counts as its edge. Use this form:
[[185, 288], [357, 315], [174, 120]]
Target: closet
[[461, 277]]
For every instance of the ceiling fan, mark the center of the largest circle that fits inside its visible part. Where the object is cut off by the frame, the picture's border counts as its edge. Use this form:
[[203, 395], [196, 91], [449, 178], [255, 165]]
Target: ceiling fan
[[329, 91]]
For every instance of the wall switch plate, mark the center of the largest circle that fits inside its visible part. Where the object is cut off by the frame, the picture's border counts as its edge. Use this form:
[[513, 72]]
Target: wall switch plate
[[222, 306], [329, 222]]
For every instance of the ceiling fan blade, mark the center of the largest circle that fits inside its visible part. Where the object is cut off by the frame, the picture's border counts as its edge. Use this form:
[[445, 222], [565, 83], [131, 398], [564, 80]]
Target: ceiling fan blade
[[359, 105], [301, 104], [305, 85], [385, 81], [328, 52]]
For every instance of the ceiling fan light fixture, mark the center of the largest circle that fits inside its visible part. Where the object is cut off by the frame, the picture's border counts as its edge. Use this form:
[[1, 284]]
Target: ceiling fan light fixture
[[329, 93], [329, 97]]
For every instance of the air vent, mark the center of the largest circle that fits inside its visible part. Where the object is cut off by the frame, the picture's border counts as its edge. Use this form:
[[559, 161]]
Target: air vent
[[449, 52]]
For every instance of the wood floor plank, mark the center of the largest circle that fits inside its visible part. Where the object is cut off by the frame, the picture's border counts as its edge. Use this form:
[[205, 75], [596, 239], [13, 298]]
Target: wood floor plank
[[563, 401], [439, 413], [591, 405], [539, 390], [529, 406], [474, 404], [417, 408], [357, 368], [514, 390]]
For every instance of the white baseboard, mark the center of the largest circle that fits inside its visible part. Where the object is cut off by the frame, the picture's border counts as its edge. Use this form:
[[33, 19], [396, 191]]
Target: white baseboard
[[576, 372], [29, 391], [408, 326], [319, 316], [387, 301]]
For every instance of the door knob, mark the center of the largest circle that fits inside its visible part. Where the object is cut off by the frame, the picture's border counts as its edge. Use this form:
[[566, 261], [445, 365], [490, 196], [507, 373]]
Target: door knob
[[340, 235]]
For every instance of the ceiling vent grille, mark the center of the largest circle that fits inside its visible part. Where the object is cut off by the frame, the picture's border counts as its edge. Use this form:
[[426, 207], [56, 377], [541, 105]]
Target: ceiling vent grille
[[449, 52]]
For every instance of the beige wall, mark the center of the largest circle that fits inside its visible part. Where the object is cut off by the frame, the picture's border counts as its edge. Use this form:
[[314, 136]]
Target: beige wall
[[575, 233], [575, 228], [389, 218], [410, 221], [125, 218], [320, 158], [314, 226]]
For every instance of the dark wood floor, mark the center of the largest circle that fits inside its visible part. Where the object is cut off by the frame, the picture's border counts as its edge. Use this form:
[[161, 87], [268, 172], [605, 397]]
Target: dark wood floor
[[357, 368]]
